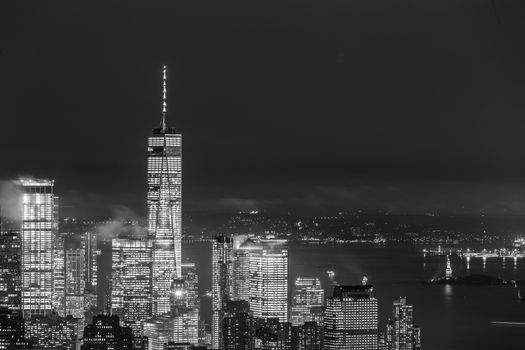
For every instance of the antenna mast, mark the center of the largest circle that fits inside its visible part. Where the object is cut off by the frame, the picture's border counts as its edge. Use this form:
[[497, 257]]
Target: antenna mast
[[164, 99]]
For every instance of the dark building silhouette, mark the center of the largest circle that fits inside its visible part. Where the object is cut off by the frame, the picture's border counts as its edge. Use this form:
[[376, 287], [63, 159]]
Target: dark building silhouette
[[10, 272], [238, 326], [12, 331], [309, 336], [105, 333], [275, 335]]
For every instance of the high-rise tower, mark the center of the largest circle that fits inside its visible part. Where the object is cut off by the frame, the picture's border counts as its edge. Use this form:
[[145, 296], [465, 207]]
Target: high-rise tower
[[350, 320], [131, 281], [10, 279], [306, 294], [222, 284], [39, 227], [164, 206], [269, 280], [401, 333]]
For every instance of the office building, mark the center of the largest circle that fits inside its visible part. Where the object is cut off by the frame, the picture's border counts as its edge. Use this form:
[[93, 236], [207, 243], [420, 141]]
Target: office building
[[308, 336], [10, 273], [179, 326], [74, 282], [164, 200], [59, 275], [53, 332], [106, 333], [191, 285], [39, 228], [274, 335], [131, 289], [243, 247], [401, 333], [222, 283], [307, 293], [238, 326], [269, 280], [12, 331], [350, 320], [89, 244]]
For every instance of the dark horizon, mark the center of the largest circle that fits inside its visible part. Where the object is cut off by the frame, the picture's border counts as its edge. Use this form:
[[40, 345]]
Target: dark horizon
[[305, 106]]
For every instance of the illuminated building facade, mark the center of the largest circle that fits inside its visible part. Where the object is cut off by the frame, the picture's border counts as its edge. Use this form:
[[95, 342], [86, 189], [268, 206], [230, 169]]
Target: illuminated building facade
[[131, 281], [10, 277], [242, 250], [222, 283], [180, 326], [191, 285], [90, 246], [74, 282], [157, 331], [307, 293], [269, 280], [39, 227], [350, 320], [53, 332], [59, 276], [401, 333], [164, 200]]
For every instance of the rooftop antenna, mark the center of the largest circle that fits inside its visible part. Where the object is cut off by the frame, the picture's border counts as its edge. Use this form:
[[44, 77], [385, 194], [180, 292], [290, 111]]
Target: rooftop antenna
[[164, 99]]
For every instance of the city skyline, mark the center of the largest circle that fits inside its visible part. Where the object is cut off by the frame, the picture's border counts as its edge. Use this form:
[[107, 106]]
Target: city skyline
[[353, 175]]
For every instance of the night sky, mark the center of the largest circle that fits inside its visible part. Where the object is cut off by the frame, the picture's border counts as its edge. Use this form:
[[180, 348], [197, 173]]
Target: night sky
[[311, 106]]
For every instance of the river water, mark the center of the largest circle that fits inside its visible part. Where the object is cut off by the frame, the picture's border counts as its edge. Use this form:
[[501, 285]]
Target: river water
[[451, 317]]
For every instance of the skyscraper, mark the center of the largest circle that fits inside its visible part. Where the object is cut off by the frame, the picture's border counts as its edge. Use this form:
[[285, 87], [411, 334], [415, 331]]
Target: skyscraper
[[222, 283], [131, 281], [306, 294], [164, 201], [191, 285], [10, 278], [74, 282], [350, 320], [90, 245], [242, 250], [401, 334], [269, 280], [39, 227], [59, 276]]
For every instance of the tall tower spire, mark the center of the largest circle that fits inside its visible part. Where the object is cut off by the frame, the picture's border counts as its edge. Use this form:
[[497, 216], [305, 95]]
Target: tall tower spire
[[164, 98]]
